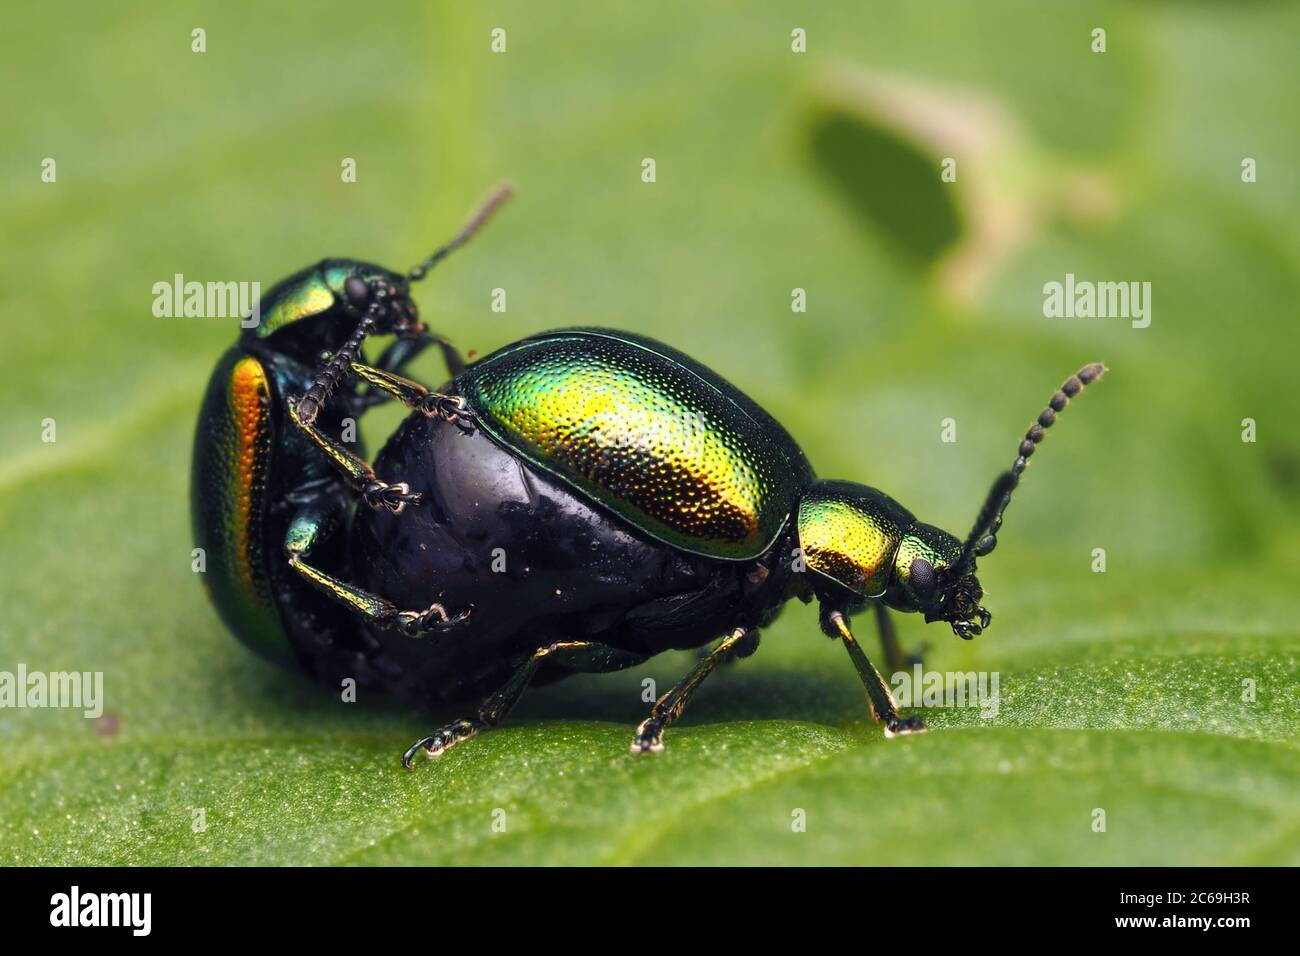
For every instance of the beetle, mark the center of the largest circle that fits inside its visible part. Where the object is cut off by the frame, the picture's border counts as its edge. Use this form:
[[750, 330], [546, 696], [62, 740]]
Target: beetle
[[577, 501], [259, 481]]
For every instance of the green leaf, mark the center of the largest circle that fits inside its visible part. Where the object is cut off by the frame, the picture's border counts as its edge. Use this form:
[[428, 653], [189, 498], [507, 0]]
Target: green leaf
[[1164, 691]]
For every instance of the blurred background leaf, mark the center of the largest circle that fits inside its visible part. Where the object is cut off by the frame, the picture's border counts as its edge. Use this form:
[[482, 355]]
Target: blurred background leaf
[[775, 170]]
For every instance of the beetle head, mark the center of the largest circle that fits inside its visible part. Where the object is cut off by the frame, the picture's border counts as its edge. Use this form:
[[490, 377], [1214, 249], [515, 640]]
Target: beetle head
[[370, 300], [386, 297], [958, 591], [874, 548], [924, 580]]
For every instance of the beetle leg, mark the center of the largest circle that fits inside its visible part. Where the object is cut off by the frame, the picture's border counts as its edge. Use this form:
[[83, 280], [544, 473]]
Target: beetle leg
[[579, 655], [883, 707], [401, 353], [649, 735], [376, 493], [493, 710], [894, 659], [451, 408], [304, 532]]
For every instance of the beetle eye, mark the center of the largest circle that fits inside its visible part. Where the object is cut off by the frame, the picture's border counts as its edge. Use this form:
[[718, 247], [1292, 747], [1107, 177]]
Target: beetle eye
[[921, 576], [357, 292]]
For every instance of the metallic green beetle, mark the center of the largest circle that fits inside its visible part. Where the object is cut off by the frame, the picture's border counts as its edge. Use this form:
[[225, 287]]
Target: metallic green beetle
[[265, 479], [580, 500]]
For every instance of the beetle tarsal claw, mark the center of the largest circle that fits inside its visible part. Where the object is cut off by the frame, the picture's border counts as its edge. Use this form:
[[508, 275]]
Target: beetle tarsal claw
[[649, 737], [441, 740], [447, 407], [380, 494], [900, 726], [432, 618]]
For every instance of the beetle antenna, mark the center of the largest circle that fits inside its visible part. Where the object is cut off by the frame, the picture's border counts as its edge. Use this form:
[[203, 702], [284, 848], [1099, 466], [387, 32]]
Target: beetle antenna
[[475, 223], [329, 377], [983, 536]]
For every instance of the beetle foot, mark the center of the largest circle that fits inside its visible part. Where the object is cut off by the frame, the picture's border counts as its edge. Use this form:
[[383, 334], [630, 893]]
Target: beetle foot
[[380, 494], [898, 726], [649, 737], [438, 742], [432, 618], [449, 408]]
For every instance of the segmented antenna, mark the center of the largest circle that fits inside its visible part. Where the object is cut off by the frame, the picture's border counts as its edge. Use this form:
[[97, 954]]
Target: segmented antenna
[[340, 363], [476, 222], [983, 536]]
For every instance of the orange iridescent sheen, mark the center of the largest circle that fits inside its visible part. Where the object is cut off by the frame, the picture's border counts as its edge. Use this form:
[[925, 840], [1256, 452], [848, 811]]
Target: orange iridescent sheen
[[250, 399], [231, 458]]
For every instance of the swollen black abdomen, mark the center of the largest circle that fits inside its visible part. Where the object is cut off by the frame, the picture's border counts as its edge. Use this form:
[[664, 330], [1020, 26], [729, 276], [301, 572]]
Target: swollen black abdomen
[[537, 561]]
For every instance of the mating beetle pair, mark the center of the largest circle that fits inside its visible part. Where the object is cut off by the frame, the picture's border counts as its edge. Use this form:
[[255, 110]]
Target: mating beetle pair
[[579, 501]]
